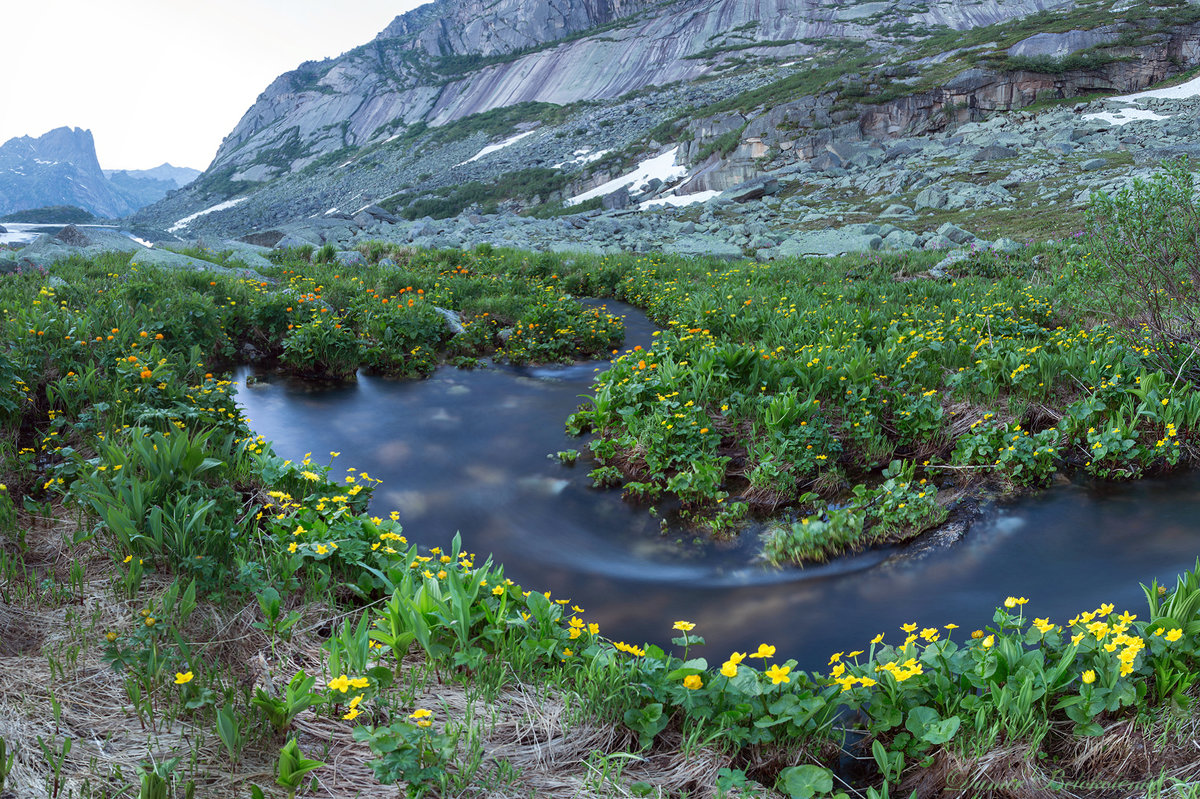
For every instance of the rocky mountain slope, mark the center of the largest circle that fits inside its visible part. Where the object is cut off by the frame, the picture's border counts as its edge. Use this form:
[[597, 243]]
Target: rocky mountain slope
[[61, 168], [531, 106]]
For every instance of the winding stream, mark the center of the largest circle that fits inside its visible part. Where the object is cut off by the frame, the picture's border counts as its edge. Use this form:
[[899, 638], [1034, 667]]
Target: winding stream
[[468, 451]]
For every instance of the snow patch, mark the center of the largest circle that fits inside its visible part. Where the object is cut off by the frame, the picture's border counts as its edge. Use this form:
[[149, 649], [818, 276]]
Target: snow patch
[[1126, 115], [680, 200], [1180, 92], [491, 148], [662, 167], [584, 156], [187, 220]]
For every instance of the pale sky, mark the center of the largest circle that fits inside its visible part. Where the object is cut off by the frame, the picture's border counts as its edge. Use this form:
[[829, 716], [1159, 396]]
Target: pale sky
[[163, 80]]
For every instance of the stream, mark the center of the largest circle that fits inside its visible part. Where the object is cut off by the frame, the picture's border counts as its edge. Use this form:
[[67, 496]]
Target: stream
[[473, 451]]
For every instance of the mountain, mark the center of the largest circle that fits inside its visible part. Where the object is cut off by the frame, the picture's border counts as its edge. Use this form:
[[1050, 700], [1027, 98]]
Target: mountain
[[177, 176], [61, 168], [521, 105]]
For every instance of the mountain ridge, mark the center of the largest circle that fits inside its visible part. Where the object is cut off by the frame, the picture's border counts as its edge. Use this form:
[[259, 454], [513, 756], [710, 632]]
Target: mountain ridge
[[739, 89]]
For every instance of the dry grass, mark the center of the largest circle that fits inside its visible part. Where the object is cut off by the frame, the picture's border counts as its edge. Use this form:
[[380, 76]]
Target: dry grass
[[528, 741]]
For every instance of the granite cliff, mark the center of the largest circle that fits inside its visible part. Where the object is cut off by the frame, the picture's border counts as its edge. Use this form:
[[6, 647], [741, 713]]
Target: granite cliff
[[526, 105]]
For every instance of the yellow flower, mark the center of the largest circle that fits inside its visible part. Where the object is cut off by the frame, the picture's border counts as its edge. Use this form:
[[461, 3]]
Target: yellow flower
[[1174, 635], [910, 627], [359, 682], [693, 682], [1089, 677], [764, 651], [778, 674], [422, 717], [498, 590], [685, 626], [736, 657], [729, 668], [183, 677], [877, 639], [989, 642], [340, 684]]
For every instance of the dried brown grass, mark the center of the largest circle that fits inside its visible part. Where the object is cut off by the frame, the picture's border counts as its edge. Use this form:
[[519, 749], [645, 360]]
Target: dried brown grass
[[537, 734]]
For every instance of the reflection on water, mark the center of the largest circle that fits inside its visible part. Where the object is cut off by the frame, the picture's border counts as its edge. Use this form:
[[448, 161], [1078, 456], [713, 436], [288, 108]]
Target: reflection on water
[[471, 451]]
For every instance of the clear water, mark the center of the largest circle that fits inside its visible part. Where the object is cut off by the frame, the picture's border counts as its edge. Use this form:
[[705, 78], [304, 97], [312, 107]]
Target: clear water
[[468, 451]]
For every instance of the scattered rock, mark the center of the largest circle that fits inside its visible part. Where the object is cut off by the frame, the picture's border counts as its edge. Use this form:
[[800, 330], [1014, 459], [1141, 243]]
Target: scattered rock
[[617, 201], [350, 258], [265, 238], [72, 236], [453, 320], [1092, 164], [752, 190], [956, 234]]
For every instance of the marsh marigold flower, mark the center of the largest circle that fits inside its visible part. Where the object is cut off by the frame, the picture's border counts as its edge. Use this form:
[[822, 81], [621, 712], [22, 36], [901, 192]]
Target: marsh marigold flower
[[778, 674], [685, 626], [1088, 677], [764, 651], [692, 682], [184, 677], [422, 717]]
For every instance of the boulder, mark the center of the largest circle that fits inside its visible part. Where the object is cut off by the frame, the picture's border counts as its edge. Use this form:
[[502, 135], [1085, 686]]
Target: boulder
[[377, 214], [350, 258], [44, 251], [3, 229], [110, 241], [252, 256], [290, 242], [1092, 164], [994, 152], [1006, 245], [73, 237], [265, 238], [617, 200], [165, 259], [955, 233], [453, 320], [836, 241], [752, 190], [896, 209], [700, 244], [932, 197]]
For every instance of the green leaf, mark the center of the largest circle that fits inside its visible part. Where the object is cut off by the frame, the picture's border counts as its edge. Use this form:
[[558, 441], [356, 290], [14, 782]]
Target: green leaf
[[803, 782]]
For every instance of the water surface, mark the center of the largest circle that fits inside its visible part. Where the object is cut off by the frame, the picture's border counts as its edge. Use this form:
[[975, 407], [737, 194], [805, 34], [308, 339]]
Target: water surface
[[468, 451]]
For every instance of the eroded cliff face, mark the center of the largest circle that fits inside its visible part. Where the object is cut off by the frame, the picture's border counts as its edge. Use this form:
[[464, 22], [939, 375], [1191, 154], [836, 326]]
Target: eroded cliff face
[[432, 64]]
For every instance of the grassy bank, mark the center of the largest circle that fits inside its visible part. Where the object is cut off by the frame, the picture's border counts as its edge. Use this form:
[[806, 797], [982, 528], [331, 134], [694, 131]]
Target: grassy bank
[[187, 614]]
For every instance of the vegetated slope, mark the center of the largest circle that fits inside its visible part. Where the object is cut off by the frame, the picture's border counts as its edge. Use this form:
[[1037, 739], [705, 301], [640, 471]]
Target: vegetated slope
[[741, 87]]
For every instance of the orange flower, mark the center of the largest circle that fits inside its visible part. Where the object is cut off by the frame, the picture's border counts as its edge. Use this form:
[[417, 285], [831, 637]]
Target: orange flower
[[147, 374]]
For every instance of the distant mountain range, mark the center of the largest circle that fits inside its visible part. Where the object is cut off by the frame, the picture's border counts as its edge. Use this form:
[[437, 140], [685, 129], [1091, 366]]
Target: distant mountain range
[[61, 168]]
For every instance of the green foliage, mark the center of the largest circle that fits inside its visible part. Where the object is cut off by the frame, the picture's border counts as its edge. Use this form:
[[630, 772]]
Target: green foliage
[[1146, 260], [51, 215], [293, 767], [535, 182], [322, 349]]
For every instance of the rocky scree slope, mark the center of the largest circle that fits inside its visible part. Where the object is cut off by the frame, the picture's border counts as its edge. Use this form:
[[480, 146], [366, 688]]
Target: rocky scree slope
[[520, 106]]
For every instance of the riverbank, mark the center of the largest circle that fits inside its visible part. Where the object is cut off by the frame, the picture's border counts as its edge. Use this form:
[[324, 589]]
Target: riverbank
[[206, 569]]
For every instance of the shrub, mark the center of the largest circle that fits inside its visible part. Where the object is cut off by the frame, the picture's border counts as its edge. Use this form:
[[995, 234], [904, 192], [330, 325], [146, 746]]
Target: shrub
[[1146, 272]]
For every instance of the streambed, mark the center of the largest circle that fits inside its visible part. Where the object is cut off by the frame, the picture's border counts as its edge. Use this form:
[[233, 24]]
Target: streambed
[[471, 451]]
